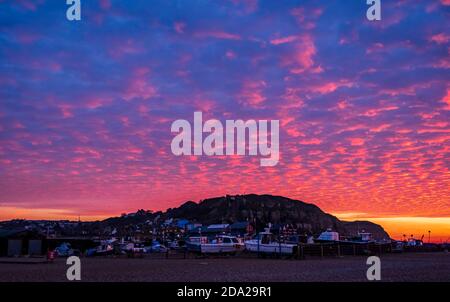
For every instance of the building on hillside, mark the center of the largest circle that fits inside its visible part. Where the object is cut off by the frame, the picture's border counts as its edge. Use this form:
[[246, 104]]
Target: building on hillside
[[181, 223]]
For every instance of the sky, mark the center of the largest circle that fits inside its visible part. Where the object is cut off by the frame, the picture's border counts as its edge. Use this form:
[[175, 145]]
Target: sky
[[86, 106]]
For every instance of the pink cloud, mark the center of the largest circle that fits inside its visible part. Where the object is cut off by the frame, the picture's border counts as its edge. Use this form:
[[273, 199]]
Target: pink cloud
[[305, 52], [218, 35], [306, 19], [374, 112], [230, 54], [446, 99], [252, 93], [302, 59], [105, 4], [121, 48], [380, 128], [408, 90], [29, 4], [342, 104], [329, 87], [375, 48], [294, 132], [66, 111], [179, 27], [354, 141], [139, 85], [441, 38], [312, 141], [96, 103], [27, 37], [283, 40], [87, 151]]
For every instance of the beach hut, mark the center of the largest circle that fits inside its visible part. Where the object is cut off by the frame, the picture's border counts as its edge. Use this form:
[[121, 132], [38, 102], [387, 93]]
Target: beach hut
[[21, 242]]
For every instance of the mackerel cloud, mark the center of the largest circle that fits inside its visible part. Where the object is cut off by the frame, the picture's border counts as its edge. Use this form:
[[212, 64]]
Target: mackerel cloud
[[86, 107]]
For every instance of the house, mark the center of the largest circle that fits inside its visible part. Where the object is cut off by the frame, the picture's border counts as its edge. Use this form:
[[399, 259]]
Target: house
[[168, 222], [218, 228], [197, 230], [21, 242], [181, 223], [193, 226], [241, 228]]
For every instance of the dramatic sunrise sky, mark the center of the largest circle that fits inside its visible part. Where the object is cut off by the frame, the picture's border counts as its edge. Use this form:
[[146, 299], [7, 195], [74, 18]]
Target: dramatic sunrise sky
[[364, 107]]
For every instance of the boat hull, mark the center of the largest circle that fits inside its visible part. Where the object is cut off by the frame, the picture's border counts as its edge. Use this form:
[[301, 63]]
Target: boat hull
[[272, 248], [211, 248]]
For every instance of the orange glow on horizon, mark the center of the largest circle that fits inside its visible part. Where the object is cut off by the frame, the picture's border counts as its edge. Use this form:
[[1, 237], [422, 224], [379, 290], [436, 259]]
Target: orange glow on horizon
[[400, 225], [10, 213]]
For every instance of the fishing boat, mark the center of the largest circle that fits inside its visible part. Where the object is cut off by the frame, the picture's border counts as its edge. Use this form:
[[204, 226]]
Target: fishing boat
[[222, 244], [362, 237], [267, 243], [328, 236], [155, 247], [101, 250]]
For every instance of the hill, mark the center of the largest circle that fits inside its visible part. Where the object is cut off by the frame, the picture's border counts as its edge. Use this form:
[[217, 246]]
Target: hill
[[268, 208]]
